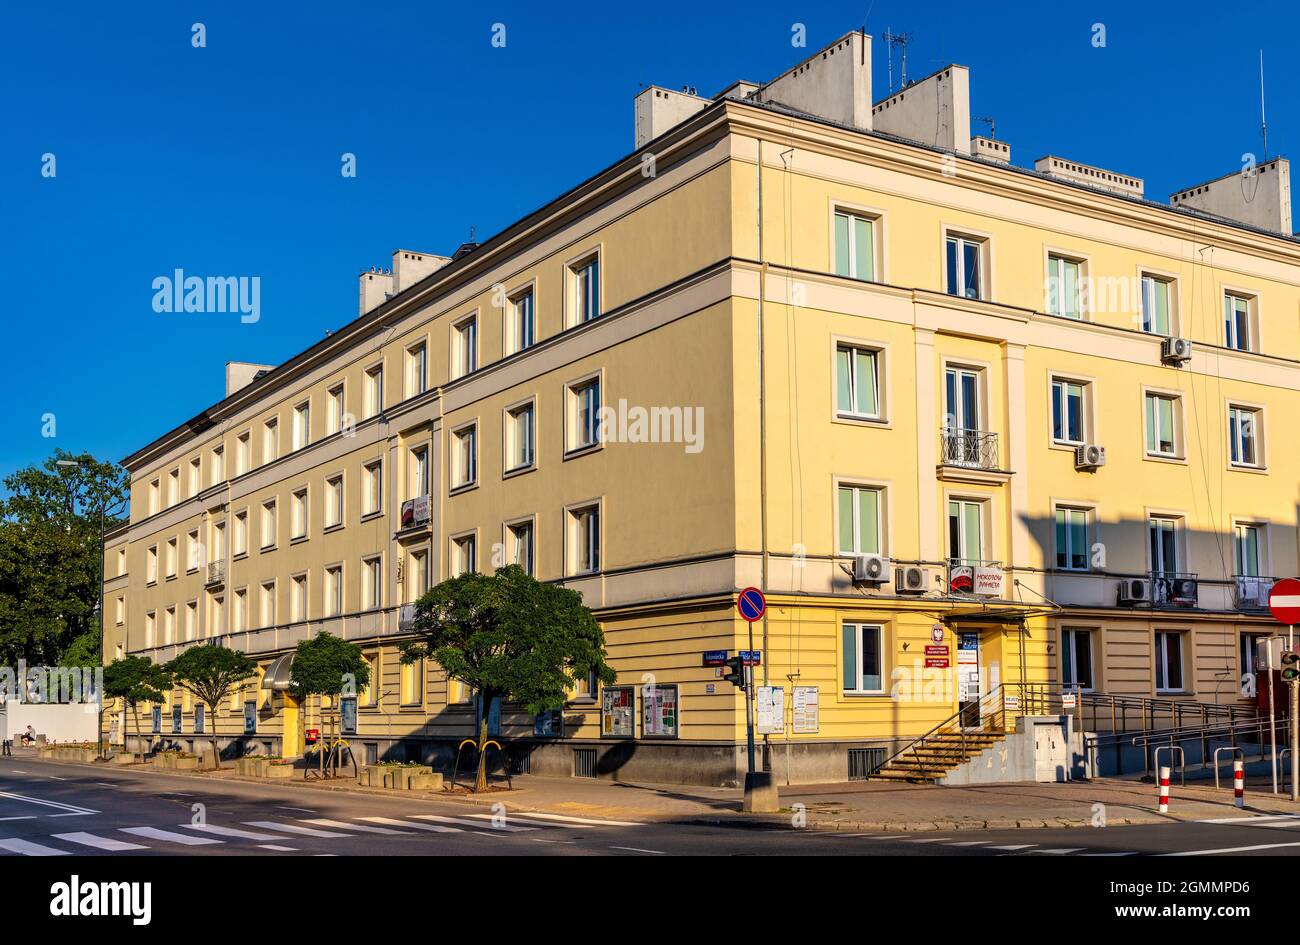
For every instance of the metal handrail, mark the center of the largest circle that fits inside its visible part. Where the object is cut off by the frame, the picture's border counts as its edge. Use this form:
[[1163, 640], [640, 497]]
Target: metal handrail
[[947, 727], [977, 449]]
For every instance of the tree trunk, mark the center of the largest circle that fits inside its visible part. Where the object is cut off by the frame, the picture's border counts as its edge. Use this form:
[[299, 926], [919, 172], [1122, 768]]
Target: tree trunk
[[216, 758], [480, 779], [135, 713]]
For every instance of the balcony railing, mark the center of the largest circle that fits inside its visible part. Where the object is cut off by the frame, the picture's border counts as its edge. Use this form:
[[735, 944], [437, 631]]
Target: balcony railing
[[217, 572], [1250, 592], [1174, 589], [972, 449], [415, 512]]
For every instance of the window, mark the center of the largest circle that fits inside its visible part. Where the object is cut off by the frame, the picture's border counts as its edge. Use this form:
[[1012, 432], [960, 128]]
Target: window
[[269, 531], [584, 544], [586, 290], [859, 520], [301, 425], [1064, 287], [333, 501], [1071, 539], [217, 608], [519, 437], [243, 453], [372, 583], [170, 559], [965, 532], [522, 329], [239, 540], [1076, 658], [1243, 435], [1236, 322], [334, 590], [1067, 412], [964, 265], [192, 620], [411, 683], [520, 537], [218, 465], [1162, 421], [1156, 305], [173, 487], [863, 658], [218, 548], [267, 604], [150, 628], [334, 419], [1249, 649], [366, 694], [169, 625], [193, 552], [854, 246], [1245, 549], [417, 370], [857, 382], [196, 476], [121, 561], [151, 566], [961, 400], [418, 473], [465, 457], [463, 555], [1163, 535], [465, 336], [419, 571], [270, 440], [121, 611], [1169, 661], [298, 514], [154, 497], [374, 390], [298, 599], [584, 414], [239, 621], [372, 480]]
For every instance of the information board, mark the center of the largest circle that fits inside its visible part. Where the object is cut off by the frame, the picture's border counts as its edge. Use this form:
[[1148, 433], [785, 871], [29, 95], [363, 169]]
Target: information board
[[617, 712], [250, 717], [771, 710], [659, 711], [806, 717], [347, 715]]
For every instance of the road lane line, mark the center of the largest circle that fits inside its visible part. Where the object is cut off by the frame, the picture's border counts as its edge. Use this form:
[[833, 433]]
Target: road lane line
[[233, 832], [277, 847], [304, 810], [527, 821], [1258, 846], [154, 833], [639, 850], [295, 828], [928, 840], [432, 828], [1125, 853], [326, 822], [584, 820], [22, 817], [1061, 851], [44, 803], [99, 843], [465, 821], [1015, 846], [968, 843], [27, 848]]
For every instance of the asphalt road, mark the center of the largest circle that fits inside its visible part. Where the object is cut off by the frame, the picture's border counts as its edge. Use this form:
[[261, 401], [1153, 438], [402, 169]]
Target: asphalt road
[[52, 809]]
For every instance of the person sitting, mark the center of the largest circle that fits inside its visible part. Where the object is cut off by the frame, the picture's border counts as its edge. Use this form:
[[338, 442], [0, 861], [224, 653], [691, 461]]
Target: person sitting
[[29, 736]]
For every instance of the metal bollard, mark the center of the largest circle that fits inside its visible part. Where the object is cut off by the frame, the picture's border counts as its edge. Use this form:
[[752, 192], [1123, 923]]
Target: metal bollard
[[1164, 789], [1238, 783]]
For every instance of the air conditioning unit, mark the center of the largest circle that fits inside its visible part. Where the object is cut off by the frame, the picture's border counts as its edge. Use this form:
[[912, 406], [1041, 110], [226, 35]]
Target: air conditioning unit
[[870, 569], [911, 579], [1176, 350], [1134, 591], [1090, 456]]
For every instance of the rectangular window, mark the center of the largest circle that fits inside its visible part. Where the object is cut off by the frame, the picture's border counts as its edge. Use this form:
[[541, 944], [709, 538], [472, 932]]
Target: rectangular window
[[298, 602], [519, 437], [521, 545], [170, 558], [240, 616], [192, 620], [464, 559], [585, 540], [1245, 547], [121, 561], [961, 400], [243, 453], [465, 457], [411, 683], [334, 590], [1236, 322], [366, 695], [859, 520], [1161, 422], [857, 382], [270, 440], [1063, 287], [173, 487], [1076, 658], [193, 552], [196, 476], [374, 390], [267, 604], [418, 473], [1163, 535], [1155, 305], [523, 327], [301, 425], [863, 658], [584, 413], [586, 290], [1169, 661], [1243, 436], [1072, 539], [218, 465], [372, 583], [466, 351], [298, 514], [372, 477], [154, 497], [965, 532], [1067, 412], [419, 582], [417, 370], [239, 540], [337, 411], [854, 246], [151, 565], [333, 501], [964, 265], [269, 531]]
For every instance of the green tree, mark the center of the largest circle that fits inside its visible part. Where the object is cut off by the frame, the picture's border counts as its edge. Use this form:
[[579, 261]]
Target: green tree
[[508, 637], [211, 673], [326, 665], [136, 679], [49, 555]]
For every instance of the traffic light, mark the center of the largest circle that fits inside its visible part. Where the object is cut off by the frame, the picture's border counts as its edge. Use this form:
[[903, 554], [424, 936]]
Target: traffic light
[[736, 671], [1290, 666]]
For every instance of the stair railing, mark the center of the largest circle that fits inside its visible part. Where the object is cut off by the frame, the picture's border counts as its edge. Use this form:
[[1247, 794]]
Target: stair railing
[[989, 709]]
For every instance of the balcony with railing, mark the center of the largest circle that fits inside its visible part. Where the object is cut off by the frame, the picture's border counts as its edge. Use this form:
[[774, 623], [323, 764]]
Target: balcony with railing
[[216, 572], [1250, 592], [970, 455], [416, 513], [1174, 589]]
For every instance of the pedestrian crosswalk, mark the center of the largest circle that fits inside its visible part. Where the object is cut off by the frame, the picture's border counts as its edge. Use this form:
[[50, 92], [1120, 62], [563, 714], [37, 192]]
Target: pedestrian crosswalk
[[287, 835], [981, 846]]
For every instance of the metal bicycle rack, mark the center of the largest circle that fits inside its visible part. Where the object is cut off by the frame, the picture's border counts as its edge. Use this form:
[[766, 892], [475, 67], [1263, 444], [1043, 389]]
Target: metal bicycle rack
[[1236, 753], [1182, 763]]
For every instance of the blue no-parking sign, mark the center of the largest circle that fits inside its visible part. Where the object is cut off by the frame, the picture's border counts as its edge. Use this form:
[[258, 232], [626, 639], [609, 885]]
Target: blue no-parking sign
[[752, 604]]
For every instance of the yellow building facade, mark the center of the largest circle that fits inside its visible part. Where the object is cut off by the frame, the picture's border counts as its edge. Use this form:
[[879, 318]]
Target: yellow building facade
[[858, 368]]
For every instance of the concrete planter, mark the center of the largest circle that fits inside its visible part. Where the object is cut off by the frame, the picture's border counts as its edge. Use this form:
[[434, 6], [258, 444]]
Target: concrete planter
[[123, 758], [371, 777], [427, 782], [185, 764], [281, 772]]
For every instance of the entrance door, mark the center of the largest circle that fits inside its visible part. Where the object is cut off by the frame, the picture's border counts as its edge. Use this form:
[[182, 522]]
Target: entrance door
[[969, 682]]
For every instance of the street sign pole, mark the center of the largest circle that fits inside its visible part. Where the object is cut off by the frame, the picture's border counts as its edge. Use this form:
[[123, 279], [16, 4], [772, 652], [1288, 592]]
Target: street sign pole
[[760, 790], [1272, 719], [1284, 604], [749, 704]]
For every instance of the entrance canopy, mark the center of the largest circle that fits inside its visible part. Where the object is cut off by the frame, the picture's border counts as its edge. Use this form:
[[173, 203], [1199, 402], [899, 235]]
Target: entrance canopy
[[277, 674]]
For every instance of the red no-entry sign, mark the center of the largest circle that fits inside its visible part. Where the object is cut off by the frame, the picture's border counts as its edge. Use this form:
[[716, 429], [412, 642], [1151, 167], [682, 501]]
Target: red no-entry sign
[[1284, 601]]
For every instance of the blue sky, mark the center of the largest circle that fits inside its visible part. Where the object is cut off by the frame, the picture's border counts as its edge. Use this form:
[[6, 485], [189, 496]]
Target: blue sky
[[226, 160]]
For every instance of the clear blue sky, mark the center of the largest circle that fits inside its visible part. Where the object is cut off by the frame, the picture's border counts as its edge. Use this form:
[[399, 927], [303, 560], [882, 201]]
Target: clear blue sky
[[226, 160]]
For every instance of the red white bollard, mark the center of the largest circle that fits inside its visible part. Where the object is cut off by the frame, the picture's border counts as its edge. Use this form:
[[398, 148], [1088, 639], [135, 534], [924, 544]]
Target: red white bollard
[[1238, 783], [1164, 790]]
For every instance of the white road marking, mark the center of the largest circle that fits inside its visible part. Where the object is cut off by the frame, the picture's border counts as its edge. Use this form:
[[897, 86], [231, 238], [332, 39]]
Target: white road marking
[[1061, 851], [1015, 846], [233, 832], [927, 840], [154, 833], [36, 800], [524, 819], [23, 817], [1260, 846], [55, 777], [305, 810], [326, 822], [295, 828], [99, 843], [77, 813], [1249, 819], [465, 821], [585, 820], [393, 821], [273, 846], [968, 843], [639, 850], [27, 848], [1125, 853], [18, 771], [544, 840]]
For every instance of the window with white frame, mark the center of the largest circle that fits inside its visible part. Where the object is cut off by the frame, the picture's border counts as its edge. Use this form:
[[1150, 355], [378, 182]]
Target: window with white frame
[[372, 480], [150, 628], [374, 390], [862, 651], [298, 514], [1157, 305], [337, 409], [1162, 532], [366, 695], [173, 487], [239, 616], [417, 476], [411, 683], [1246, 549], [464, 555], [121, 561], [121, 611], [584, 414], [298, 598], [523, 327], [192, 620], [1064, 286], [419, 575], [155, 497], [585, 286], [334, 590], [519, 437], [1069, 411], [1169, 661], [859, 510], [334, 501], [169, 625], [965, 264], [857, 382], [584, 539], [520, 550], [855, 245], [1072, 545], [1162, 422], [1243, 435], [151, 565], [266, 604], [269, 530], [465, 336], [170, 557], [218, 465], [1076, 658], [243, 453], [239, 537], [270, 440], [1237, 322], [464, 465], [965, 532], [217, 551], [217, 609], [193, 551], [301, 425], [372, 583], [417, 369], [196, 476]]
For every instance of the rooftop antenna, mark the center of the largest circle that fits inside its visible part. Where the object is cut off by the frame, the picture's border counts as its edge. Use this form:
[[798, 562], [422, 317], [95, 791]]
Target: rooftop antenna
[[991, 122], [899, 40], [1263, 121]]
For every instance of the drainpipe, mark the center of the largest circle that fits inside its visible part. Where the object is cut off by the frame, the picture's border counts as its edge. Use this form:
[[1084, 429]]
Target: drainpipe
[[762, 442]]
